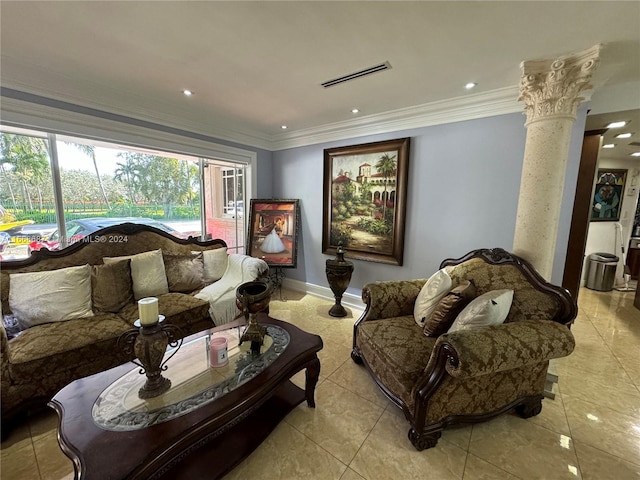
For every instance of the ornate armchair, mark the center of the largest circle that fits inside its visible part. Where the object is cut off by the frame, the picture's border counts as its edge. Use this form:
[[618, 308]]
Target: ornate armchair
[[470, 375]]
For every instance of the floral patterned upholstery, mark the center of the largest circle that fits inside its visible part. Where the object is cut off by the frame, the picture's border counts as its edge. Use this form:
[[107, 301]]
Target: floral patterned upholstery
[[42, 359], [469, 375]]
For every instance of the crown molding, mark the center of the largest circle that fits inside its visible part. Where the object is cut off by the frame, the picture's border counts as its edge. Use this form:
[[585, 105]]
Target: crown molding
[[469, 107], [108, 102]]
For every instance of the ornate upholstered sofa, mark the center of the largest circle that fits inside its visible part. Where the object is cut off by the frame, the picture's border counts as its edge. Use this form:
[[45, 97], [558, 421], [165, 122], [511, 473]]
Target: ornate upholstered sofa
[[469, 375], [43, 358]]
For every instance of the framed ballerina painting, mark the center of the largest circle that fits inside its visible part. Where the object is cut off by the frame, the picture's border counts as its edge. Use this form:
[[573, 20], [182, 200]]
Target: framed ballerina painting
[[273, 231]]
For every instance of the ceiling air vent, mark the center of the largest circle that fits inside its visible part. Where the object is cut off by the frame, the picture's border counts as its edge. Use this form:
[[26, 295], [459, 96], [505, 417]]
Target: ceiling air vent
[[362, 73], [635, 144]]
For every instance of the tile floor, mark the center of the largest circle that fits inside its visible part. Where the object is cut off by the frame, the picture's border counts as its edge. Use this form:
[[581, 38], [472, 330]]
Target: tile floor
[[590, 431]]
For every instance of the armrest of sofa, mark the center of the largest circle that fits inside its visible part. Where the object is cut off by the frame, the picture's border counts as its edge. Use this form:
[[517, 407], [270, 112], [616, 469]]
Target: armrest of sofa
[[486, 350], [390, 298], [504, 347]]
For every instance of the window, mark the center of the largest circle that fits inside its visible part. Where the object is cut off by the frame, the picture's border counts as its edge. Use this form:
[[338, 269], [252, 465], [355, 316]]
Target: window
[[103, 184], [233, 187]]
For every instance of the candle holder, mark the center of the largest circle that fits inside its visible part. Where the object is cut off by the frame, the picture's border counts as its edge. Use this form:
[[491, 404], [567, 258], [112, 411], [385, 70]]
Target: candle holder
[[149, 344], [338, 272], [251, 298]]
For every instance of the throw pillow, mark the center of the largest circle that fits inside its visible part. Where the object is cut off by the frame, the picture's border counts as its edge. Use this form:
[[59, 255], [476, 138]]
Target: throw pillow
[[51, 296], [490, 308], [448, 309], [111, 286], [147, 273], [185, 273], [215, 264], [437, 286]]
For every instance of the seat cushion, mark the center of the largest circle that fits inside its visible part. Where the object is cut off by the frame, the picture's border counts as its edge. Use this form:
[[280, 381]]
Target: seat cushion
[[50, 348], [397, 352]]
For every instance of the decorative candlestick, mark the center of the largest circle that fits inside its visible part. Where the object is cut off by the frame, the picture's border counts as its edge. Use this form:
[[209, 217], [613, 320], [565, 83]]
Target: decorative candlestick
[[338, 272], [149, 344]]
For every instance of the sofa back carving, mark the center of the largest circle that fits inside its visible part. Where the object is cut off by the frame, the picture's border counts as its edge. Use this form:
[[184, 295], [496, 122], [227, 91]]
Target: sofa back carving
[[118, 240], [533, 298]]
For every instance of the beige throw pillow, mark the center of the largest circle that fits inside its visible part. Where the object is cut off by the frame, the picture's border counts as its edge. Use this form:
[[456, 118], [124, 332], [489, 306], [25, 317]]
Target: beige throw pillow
[[448, 309], [111, 286], [51, 296], [490, 308], [147, 273], [215, 264], [436, 287], [185, 273]]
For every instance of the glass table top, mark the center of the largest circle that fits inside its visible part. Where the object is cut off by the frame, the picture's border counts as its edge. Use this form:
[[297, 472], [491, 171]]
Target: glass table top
[[193, 382]]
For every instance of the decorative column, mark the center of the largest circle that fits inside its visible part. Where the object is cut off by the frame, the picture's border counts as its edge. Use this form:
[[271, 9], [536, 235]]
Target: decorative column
[[550, 90]]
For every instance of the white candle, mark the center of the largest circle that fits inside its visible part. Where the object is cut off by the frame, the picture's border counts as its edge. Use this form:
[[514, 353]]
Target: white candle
[[148, 310]]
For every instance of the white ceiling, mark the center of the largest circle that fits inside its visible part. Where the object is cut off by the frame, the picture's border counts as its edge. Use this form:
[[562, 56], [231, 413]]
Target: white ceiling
[[255, 66]]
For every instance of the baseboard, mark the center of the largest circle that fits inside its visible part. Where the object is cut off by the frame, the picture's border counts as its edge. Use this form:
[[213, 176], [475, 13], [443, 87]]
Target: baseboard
[[348, 299]]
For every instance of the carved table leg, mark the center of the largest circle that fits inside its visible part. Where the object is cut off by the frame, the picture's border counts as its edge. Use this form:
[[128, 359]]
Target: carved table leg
[[312, 373]]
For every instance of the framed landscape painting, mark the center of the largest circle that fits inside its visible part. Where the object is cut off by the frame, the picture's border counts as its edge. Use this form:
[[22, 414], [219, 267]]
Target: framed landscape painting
[[365, 195], [607, 195], [273, 231]]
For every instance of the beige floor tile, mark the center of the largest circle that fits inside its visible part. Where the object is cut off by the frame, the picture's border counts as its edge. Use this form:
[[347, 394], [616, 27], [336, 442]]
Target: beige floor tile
[[598, 465], [339, 423], [606, 367], [356, 379], [287, 454], [524, 449], [19, 463], [615, 394], [18, 437], [351, 475], [478, 469], [459, 435], [604, 428], [300, 379], [553, 416], [387, 453], [332, 357], [42, 424], [53, 464]]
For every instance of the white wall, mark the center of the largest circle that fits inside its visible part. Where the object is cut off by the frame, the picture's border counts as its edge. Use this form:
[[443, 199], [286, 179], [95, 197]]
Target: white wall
[[464, 181], [602, 236]]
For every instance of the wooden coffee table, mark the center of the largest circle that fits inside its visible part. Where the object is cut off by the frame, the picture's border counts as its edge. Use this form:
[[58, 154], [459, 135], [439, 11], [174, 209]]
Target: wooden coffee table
[[208, 421]]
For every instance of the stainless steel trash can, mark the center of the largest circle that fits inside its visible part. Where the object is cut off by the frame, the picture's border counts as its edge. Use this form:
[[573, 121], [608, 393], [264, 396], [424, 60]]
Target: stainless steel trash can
[[601, 272]]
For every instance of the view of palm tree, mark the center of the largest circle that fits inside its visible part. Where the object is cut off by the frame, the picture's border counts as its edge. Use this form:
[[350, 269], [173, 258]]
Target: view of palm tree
[[363, 205], [137, 184]]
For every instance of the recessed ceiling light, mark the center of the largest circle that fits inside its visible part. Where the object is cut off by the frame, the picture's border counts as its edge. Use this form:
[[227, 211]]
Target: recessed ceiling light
[[470, 85], [354, 110], [635, 154], [624, 135], [187, 93], [609, 145], [616, 125], [284, 127]]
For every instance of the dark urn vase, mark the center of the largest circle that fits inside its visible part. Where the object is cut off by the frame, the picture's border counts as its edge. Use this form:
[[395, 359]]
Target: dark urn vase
[[251, 298], [339, 273]]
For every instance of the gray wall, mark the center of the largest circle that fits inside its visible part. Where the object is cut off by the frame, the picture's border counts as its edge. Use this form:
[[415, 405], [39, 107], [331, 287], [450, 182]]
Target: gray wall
[[464, 180]]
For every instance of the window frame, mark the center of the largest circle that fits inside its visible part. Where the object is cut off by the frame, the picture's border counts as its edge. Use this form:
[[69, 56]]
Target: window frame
[[48, 121]]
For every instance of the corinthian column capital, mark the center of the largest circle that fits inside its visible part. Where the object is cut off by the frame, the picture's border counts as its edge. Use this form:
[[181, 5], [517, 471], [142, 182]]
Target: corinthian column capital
[[550, 88]]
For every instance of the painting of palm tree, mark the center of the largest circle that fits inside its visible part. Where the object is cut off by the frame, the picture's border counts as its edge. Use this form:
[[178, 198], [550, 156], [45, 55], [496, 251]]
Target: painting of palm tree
[[364, 200]]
